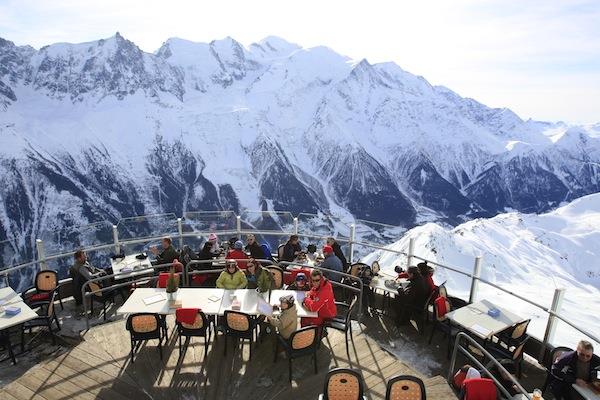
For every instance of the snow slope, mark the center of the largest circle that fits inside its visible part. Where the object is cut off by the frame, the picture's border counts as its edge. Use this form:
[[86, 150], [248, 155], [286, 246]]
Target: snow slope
[[528, 254]]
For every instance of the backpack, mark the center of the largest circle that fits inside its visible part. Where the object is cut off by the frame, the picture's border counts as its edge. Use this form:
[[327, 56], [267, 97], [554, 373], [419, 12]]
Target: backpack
[[267, 250], [187, 255]]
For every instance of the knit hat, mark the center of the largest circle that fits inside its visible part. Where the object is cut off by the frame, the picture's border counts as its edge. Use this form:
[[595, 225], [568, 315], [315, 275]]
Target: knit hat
[[289, 299], [327, 249], [301, 276], [212, 237], [238, 245]]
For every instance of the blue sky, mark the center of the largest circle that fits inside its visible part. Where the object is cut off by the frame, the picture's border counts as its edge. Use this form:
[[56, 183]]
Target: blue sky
[[539, 58]]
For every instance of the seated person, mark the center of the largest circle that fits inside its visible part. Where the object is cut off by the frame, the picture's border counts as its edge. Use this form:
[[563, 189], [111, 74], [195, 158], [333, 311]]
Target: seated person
[[319, 299], [254, 248], [301, 258], [257, 276], [291, 249], [205, 280], [412, 298], [331, 262], [215, 249], [232, 277], [286, 322], [80, 272], [337, 250], [311, 252], [167, 255], [573, 367], [237, 253], [299, 283]]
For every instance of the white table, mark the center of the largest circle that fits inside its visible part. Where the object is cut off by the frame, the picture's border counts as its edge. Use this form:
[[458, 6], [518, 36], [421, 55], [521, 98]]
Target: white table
[[586, 393], [299, 296], [475, 319], [129, 267], [378, 283], [207, 300], [10, 298]]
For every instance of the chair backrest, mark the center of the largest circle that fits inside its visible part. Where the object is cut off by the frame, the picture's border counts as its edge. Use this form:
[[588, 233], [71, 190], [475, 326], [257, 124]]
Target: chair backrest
[[237, 321], [50, 309], [277, 274], [375, 267], [199, 323], [443, 291], [520, 329], [441, 306], [163, 278], [518, 351], [95, 289], [405, 387], [305, 338], [351, 310], [555, 355], [480, 389], [280, 251], [143, 323], [356, 268], [46, 280], [343, 384]]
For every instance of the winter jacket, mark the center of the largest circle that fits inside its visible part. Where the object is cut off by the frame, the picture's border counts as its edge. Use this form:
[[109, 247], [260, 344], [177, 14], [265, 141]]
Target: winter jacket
[[289, 250], [255, 251], [236, 254], [228, 281], [287, 322], [416, 293], [167, 255], [321, 300], [331, 261], [337, 250], [564, 368], [261, 280]]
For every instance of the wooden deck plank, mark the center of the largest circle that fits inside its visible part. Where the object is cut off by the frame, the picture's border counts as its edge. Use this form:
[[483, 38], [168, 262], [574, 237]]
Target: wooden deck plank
[[20, 391]]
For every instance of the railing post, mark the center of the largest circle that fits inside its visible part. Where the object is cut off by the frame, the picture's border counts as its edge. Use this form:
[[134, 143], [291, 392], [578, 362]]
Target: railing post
[[351, 243], [295, 225], [116, 239], [180, 231], [238, 224], [475, 279], [559, 293], [41, 253], [411, 251]]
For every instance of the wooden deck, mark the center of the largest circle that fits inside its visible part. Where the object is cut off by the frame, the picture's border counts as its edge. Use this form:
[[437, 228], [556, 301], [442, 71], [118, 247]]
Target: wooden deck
[[99, 367]]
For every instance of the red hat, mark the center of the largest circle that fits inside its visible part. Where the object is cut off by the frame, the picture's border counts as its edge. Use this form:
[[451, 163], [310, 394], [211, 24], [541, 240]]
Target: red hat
[[327, 249]]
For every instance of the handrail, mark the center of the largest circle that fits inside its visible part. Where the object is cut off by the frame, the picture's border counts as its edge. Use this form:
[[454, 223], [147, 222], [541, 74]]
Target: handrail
[[472, 342], [41, 260]]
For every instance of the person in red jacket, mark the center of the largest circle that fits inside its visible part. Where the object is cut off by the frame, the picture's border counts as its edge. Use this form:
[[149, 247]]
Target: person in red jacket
[[426, 272], [238, 254], [320, 299]]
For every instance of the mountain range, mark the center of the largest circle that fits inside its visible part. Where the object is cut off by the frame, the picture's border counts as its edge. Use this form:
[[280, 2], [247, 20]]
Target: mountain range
[[103, 130]]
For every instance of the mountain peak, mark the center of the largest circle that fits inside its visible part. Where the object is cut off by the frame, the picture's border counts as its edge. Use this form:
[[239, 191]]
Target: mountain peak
[[274, 46]]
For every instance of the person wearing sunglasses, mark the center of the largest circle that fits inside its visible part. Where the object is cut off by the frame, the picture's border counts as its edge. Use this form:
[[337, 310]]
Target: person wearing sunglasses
[[257, 276], [319, 299], [232, 277], [578, 367]]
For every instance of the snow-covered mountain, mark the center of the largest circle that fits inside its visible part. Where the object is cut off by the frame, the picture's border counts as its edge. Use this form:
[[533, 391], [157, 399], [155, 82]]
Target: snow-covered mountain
[[101, 130], [528, 254]]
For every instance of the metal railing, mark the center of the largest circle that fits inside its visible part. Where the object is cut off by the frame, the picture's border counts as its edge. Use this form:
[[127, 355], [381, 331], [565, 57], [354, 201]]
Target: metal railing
[[553, 310], [486, 355]]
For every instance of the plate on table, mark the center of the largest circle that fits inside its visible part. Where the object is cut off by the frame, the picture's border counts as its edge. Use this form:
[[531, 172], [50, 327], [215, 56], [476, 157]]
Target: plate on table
[[391, 284]]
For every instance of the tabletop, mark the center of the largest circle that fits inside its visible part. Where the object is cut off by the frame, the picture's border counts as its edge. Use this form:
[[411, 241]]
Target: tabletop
[[208, 300], [131, 265], [378, 283], [299, 296], [475, 318], [9, 298], [586, 393]]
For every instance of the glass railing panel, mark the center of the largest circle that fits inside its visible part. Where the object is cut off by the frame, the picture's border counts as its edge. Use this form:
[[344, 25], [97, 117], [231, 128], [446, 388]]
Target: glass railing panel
[[323, 225], [582, 311], [273, 221], [209, 221], [14, 252], [146, 226], [375, 232], [70, 238]]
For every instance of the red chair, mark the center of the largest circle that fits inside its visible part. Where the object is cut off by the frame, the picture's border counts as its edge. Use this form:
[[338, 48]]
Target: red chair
[[479, 389], [163, 277]]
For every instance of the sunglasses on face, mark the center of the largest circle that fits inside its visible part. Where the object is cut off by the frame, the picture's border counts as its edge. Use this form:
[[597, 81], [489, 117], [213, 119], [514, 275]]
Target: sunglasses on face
[[316, 280]]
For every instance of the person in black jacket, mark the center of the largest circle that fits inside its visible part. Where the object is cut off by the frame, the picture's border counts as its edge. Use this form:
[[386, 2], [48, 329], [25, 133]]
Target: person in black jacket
[[254, 248], [291, 249], [574, 367], [411, 299], [168, 253], [337, 250]]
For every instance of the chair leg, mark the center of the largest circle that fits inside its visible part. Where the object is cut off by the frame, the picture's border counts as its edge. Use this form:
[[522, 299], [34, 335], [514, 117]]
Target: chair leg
[[290, 369], [179, 345], [432, 332], [160, 348], [347, 345], [225, 345], [60, 301], [22, 339], [51, 332], [104, 310], [315, 362], [132, 351], [250, 349]]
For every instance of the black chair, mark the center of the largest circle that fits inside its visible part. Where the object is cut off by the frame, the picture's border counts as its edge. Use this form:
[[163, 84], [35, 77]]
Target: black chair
[[143, 327], [277, 276], [104, 297], [554, 355], [343, 321], [280, 251], [513, 335], [303, 342], [343, 383], [7, 345], [240, 326], [405, 387], [47, 318], [46, 282], [443, 324], [200, 328], [512, 355]]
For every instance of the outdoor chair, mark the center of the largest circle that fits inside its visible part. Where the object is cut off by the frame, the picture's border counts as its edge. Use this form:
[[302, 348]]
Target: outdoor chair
[[240, 326], [554, 355], [405, 387], [343, 321], [46, 282], [200, 328], [303, 342], [47, 319], [277, 274], [343, 384], [441, 307], [143, 327]]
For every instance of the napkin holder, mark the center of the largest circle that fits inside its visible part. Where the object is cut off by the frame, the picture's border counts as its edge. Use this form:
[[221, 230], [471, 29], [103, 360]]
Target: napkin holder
[[12, 310], [493, 312]]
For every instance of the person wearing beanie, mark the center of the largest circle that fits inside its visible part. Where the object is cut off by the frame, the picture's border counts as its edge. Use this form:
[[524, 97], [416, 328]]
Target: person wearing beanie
[[286, 322], [331, 262], [215, 249], [254, 248], [232, 277], [237, 253], [300, 283]]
